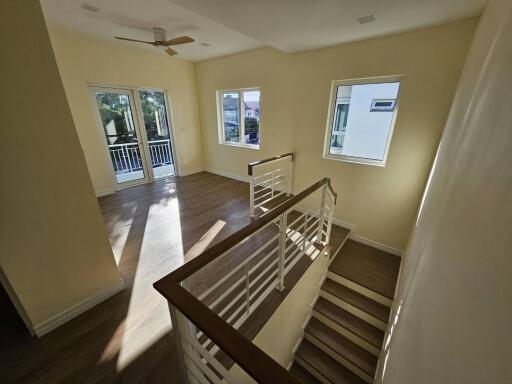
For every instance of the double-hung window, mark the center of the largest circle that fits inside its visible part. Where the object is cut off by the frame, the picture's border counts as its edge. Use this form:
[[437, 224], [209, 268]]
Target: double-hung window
[[239, 117], [361, 117]]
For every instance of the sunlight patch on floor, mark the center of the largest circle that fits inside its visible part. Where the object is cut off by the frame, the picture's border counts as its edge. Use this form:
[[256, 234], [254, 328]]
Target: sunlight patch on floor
[[205, 240], [119, 227], [147, 318]]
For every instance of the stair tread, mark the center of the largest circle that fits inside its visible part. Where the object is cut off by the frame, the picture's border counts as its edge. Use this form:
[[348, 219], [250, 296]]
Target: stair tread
[[342, 346], [338, 236], [367, 266], [356, 299], [354, 324], [303, 375], [326, 365]]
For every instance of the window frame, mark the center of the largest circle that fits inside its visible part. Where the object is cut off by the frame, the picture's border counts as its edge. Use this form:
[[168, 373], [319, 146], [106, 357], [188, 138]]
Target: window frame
[[331, 114], [241, 119]]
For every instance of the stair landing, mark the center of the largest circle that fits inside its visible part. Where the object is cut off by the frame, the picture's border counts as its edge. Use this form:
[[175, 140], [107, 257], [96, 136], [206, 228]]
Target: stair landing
[[367, 266]]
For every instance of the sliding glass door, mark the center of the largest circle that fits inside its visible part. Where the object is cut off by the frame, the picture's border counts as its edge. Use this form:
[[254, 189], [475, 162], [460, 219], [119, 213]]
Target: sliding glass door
[[158, 132], [136, 126]]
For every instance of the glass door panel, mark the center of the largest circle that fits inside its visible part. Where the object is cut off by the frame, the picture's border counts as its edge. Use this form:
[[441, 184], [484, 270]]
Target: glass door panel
[[121, 131], [158, 131]]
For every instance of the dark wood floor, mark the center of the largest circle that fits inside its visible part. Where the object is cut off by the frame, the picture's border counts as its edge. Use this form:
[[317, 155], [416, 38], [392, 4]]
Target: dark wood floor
[[153, 228], [367, 266]]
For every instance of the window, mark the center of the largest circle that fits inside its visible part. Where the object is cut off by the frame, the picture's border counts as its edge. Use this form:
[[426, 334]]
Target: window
[[361, 119], [239, 117]]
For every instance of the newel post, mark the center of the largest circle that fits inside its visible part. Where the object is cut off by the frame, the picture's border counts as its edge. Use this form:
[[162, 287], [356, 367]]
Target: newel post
[[321, 215]]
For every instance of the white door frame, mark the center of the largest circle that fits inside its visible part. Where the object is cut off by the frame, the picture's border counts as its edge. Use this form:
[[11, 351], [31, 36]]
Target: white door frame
[[139, 127], [170, 121]]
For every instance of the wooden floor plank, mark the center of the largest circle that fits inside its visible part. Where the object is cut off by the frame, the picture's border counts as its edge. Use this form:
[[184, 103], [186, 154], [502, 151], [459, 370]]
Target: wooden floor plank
[[153, 229], [367, 266]]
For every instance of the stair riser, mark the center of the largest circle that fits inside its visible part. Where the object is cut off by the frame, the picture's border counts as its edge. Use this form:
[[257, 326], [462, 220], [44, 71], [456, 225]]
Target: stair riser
[[311, 370], [347, 333], [353, 310], [340, 359], [360, 289]]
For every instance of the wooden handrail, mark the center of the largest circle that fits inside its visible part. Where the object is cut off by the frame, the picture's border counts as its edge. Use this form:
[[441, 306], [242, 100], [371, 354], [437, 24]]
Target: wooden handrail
[[260, 366], [251, 165], [248, 356], [222, 246], [333, 193]]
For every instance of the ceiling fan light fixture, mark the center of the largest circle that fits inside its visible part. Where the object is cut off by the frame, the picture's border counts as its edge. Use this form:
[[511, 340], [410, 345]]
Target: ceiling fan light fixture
[[160, 34], [161, 40]]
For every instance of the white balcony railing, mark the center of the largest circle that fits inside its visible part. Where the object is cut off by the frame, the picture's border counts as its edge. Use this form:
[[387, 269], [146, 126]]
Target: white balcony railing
[[126, 157], [270, 178]]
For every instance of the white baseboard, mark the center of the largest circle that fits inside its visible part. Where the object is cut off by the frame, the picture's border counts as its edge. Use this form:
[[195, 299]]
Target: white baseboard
[[105, 192], [343, 224], [360, 239], [191, 172], [374, 244], [77, 309], [245, 179]]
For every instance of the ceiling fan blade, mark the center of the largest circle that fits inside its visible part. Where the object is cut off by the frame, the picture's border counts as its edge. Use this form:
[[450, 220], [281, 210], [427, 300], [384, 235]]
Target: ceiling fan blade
[[137, 41], [170, 52], [177, 41]]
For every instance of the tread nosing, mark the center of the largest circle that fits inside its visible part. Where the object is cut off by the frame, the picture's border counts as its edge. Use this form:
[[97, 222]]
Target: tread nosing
[[351, 361], [358, 296], [358, 334], [309, 368], [318, 353], [362, 285]]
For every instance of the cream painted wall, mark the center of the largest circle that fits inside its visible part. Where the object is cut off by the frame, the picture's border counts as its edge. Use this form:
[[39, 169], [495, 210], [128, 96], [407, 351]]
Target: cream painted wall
[[453, 309], [82, 61], [381, 202], [55, 252]]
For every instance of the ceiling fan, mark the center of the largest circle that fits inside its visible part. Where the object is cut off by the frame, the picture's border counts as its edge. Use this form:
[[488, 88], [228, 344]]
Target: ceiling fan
[[161, 40]]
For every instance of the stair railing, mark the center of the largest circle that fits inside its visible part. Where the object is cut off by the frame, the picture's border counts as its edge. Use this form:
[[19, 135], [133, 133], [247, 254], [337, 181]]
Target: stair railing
[[275, 179], [251, 263]]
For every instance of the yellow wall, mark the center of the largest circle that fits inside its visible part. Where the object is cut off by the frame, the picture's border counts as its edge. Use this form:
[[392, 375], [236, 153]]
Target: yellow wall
[[381, 202], [82, 61], [55, 252], [453, 308]]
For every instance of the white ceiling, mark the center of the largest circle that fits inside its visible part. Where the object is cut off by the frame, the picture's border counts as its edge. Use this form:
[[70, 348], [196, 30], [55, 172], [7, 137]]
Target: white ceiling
[[231, 26], [136, 18]]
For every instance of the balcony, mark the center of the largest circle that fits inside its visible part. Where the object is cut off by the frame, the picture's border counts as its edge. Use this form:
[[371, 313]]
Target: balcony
[[128, 163]]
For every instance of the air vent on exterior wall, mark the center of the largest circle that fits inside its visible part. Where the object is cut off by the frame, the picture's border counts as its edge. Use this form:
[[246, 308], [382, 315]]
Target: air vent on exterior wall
[[383, 105], [366, 19]]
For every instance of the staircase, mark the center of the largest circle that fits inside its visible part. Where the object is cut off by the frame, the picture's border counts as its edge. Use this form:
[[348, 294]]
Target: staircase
[[344, 336]]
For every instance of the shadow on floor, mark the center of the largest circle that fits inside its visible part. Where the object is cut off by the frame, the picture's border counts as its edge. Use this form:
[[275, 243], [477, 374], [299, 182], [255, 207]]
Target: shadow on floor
[[128, 338]]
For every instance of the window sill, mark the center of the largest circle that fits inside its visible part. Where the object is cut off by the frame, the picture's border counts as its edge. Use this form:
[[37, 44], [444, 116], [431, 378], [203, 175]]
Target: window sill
[[246, 146], [356, 160]]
